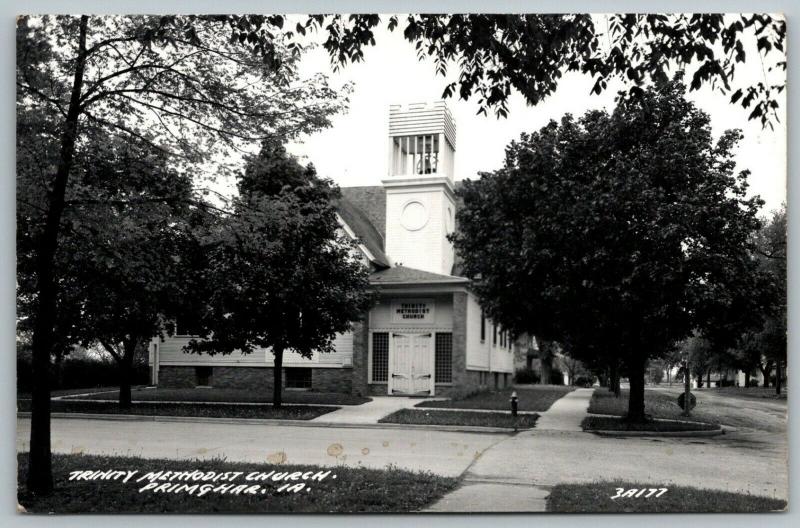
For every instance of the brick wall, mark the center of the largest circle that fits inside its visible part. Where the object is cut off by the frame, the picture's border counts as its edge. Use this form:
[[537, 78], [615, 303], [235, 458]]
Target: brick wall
[[332, 379], [463, 381], [358, 374], [254, 378]]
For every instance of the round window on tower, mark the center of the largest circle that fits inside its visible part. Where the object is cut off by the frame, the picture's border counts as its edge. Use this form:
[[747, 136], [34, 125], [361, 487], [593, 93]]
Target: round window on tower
[[414, 216]]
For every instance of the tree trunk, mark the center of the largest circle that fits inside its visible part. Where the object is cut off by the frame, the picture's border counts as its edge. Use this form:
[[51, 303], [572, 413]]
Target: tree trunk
[[126, 373], [778, 378], [40, 474], [765, 370], [708, 378], [615, 382], [669, 375], [687, 388], [746, 378], [636, 368], [277, 389]]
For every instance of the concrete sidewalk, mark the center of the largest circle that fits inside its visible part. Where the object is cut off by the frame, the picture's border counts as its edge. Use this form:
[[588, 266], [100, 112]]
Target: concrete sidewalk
[[367, 413], [567, 413], [505, 491]]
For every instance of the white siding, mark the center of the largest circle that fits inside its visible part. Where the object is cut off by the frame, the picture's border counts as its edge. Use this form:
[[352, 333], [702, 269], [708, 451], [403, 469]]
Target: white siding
[[171, 353], [427, 248], [477, 352], [485, 356]]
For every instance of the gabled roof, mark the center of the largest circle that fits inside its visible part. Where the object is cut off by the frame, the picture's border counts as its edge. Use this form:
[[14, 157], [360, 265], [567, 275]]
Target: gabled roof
[[364, 230], [404, 275], [364, 210], [371, 200]]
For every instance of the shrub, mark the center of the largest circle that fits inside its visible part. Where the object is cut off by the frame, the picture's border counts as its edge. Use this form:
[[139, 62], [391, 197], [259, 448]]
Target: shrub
[[80, 373], [526, 376], [584, 381], [556, 377], [754, 382], [727, 383]]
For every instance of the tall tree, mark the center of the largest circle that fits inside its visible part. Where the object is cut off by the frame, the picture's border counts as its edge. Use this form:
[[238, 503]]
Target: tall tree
[[280, 275], [765, 346], [119, 258], [196, 88], [530, 53], [629, 225]]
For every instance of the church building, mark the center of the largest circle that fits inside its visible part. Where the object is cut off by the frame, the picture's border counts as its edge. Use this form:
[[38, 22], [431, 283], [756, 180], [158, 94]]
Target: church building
[[427, 334]]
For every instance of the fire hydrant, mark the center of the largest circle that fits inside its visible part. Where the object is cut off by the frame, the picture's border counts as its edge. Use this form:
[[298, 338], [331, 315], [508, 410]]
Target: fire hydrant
[[514, 403]]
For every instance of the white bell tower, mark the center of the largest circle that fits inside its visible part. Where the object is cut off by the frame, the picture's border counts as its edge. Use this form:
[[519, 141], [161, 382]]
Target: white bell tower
[[420, 203]]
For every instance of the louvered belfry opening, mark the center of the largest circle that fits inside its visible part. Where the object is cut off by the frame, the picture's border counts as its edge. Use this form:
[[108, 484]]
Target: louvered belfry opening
[[422, 140]]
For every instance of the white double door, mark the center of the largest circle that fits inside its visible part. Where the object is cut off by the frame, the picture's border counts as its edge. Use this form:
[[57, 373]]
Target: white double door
[[411, 364]]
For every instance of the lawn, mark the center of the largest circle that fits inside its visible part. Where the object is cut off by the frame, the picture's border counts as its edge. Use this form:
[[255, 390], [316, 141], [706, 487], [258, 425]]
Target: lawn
[[69, 392], [291, 412], [537, 398], [342, 490], [596, 498], [234, 396], [613, 423], [480, 419], [748, 392], [660, 404]]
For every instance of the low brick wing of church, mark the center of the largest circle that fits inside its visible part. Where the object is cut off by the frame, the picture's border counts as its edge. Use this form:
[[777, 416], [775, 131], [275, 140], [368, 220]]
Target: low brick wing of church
[[427, 334]]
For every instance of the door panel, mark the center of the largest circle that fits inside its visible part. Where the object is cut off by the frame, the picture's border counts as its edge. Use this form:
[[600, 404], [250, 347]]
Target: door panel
[[411, 364]]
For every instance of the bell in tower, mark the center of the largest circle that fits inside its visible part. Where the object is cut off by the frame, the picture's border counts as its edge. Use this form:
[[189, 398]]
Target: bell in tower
[[422, 138], [420, 199]]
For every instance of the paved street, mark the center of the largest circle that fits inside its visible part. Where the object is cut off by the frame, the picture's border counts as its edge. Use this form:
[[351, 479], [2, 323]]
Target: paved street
[[501, 472], [446, 453]]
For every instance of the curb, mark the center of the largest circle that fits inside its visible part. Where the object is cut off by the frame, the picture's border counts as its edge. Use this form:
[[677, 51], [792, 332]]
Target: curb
[[677, 434], [260, 421]]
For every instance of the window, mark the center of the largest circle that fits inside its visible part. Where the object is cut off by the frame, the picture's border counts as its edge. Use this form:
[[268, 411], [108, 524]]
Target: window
[[483, 327], [203, 376], [298, 378], [444, 358], [494, 334], [380, 356]]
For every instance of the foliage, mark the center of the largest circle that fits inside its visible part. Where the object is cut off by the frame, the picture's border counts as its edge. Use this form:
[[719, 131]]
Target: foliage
[[462, 418], [81, 373], [530, 53], [768, 343], [279, 273], [626, 232], [199, 90], [119, 268], [526, 376], [354, 489]]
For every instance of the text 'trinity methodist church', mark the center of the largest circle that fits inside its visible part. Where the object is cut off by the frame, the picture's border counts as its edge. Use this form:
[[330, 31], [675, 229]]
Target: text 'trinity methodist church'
[[427, 334]]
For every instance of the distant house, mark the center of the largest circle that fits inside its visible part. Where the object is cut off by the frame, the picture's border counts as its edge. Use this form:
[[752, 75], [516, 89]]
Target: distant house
[[427, 335]]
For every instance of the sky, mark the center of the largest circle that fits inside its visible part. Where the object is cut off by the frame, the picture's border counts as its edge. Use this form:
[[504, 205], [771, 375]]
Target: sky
[[354, 150]]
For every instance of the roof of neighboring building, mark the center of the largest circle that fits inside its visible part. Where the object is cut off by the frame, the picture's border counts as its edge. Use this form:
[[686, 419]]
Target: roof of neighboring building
[[405, 275]]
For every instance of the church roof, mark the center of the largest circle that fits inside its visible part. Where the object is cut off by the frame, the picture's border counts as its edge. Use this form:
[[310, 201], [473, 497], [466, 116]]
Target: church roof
[[405, 275], [372, 239], [364, 210]]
